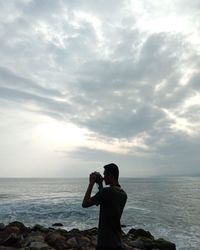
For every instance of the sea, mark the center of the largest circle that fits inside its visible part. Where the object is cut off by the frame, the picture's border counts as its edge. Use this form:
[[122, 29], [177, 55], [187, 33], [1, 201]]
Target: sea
[[168, 207]]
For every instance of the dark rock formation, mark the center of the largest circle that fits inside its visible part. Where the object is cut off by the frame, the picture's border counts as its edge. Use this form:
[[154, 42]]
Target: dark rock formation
[[17, 236], [57, 225]]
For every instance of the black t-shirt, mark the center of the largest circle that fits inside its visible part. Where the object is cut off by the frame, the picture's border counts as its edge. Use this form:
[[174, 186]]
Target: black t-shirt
[[112, 201]]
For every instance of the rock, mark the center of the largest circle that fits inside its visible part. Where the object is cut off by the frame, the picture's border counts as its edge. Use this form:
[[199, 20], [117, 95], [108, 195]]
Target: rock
[[57, 225], [2, 226], [56, 240], [52, 237], [135, 233], [17, 236], [94, 240], [92, 231], [127, 247], [30, 239], [12, 230], [60, 245], [164, 244], [72, 242], [11, 240], [85, 242], [137, 244], [39, 246], [84, 239], [73, 233], [147, 243], [18, 226], [7, 248], [40, 228], [63, 232]]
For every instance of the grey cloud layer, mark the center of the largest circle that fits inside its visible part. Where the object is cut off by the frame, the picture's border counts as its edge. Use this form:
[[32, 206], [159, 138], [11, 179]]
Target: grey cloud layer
[[113, 78]]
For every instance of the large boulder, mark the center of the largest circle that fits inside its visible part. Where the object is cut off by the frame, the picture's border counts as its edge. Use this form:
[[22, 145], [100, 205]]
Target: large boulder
[[30, 239], [37, 245], [56, 240], [2, 226], [18, 226], [135, 233], [57, 225], [11, 240]]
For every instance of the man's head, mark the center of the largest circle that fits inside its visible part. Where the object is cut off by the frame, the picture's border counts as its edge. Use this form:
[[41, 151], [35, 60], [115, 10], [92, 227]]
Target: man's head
[[111, 173]]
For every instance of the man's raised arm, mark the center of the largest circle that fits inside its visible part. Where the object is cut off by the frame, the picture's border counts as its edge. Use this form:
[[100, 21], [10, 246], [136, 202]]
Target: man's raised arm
[[87, 198]]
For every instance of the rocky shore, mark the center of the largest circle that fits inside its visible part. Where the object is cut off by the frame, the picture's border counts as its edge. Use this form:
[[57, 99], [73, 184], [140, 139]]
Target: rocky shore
[[17, 236]]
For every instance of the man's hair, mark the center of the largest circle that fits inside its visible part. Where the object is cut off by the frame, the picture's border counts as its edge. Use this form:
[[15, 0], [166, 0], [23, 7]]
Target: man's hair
[[112, 169]]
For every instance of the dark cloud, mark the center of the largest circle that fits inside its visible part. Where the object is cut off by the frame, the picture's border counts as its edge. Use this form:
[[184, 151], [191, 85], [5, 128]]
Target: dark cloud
[[177, 153], [10, 79], [194, 82], [45, 105], [117, 123]]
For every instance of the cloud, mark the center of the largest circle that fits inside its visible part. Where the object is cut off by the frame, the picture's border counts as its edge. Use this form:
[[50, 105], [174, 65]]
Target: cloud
[[179, 150], [10, 79], [121, 70], [95, 159]]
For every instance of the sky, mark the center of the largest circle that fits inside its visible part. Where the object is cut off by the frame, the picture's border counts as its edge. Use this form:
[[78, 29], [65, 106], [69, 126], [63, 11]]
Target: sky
[[84, 83]]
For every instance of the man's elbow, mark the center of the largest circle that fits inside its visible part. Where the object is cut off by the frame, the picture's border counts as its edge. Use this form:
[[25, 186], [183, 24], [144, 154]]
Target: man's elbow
[[86, 204]]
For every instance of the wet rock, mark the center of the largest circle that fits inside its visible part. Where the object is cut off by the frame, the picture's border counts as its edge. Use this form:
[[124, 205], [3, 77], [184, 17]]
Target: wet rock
[[2, 226], [52, 237], [40, 228], [7, 248], [63, 232], [17, 236], [30, 239], [85, 242], [39, 246], [57, 225], [56, 240], [11, 240], [127, 247], [17, 227], [92, 231], [135, 233], [72, 242], [164, 244]]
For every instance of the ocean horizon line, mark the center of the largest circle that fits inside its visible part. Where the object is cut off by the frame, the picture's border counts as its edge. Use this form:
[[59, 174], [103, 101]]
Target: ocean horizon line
[[86, 177]]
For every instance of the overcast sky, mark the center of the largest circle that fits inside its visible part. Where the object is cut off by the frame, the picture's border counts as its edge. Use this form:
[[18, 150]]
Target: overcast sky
[[88, 82]]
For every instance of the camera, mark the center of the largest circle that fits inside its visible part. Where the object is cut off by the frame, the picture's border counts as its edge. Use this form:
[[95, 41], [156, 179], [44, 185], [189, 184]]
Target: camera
[[98, 177]]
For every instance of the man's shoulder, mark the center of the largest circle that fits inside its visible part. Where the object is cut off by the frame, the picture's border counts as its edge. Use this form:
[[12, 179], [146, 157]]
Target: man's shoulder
[[105, 190], [114, 190]]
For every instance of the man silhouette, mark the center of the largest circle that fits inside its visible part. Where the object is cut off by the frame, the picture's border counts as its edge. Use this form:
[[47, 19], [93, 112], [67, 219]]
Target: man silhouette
[[112, 201]]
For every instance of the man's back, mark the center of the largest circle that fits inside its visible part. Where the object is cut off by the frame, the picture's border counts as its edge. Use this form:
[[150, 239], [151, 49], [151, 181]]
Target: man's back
[[112, 201]]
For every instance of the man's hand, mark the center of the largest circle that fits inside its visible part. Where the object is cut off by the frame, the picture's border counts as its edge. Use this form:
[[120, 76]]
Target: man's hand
[[87, 198], [96, 177], [92, 178]]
